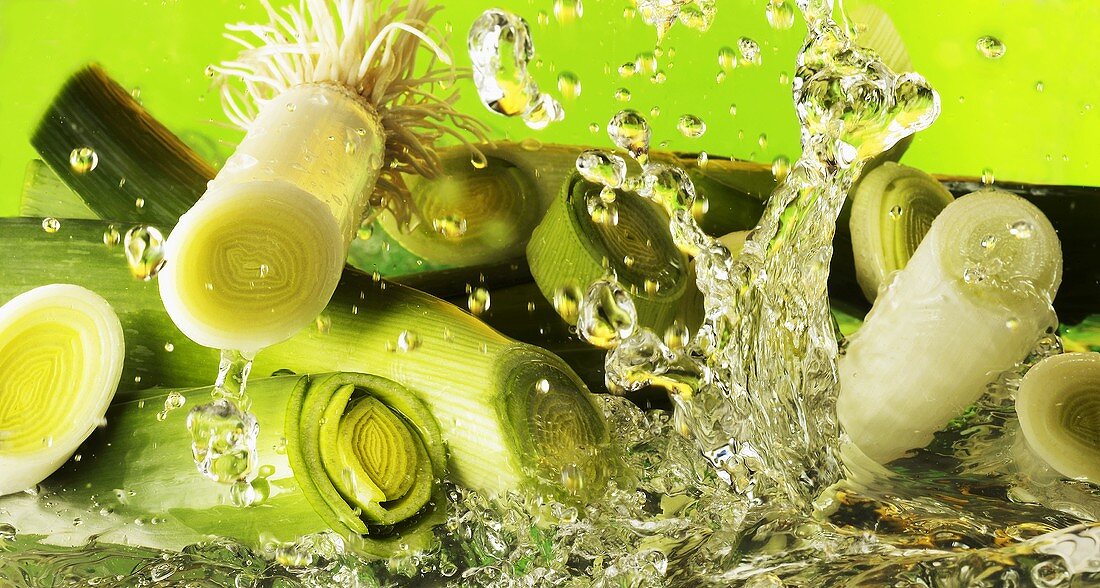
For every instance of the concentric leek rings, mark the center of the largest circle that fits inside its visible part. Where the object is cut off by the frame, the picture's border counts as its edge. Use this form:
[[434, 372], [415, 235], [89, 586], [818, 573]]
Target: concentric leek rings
[[1058, 403]]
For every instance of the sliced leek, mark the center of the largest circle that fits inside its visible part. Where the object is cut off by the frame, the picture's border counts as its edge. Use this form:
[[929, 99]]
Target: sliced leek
[[570, 249], [972, 302], [1058, 404], [356, 454], [892, 208], [513, 415], [329, 132], [61, 352]]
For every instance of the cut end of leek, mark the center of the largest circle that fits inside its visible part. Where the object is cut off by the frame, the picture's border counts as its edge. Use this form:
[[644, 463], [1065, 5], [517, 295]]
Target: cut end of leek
[[61, 352], [1058, 403], [892, 209], [250, 265], [970, 304]]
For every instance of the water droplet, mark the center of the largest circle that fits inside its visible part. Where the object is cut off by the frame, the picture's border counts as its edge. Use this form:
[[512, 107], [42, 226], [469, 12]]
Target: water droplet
[[668, 186], [450, 226], [542, 386], [691, 126], [1039, 87], [566, 11], [1021, 229], [988, 177], [111, 236], [365, 231], [781, 166], [750, 51], [290, 107], [567, 301], [601, 211], [223, 441], [607, 314], [144, 251], [572, 478], [627, 69], [676, 335], [593, 128], [895, 212], [542, 18], [991, 47], [784, 78], [569, 85], [500, 49], [622, 95], [408, 341], [601, 167], [51, 224], [173, 401], [733, 110], [169, 347], [1012, 324], [762, 140], [646, 62], [478, 300], [83, 160], [988, 242], [727, 58], [780, 14], [655, 111], [629, 130]]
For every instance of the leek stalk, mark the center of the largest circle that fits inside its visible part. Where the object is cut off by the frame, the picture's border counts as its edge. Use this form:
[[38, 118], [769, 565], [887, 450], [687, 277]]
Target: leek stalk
[[351, 453], [61, 351], [973, 301], [513, 415]]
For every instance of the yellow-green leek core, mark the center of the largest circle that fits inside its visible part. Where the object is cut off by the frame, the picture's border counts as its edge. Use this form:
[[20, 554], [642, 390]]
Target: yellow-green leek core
[[61, 352], [569, 250], [892, 209], [1059, 408]]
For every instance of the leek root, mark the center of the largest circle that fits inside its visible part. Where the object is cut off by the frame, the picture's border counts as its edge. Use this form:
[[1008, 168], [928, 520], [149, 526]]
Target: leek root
[[973, 301], [352, 453], [1058, 403], [61, 352]]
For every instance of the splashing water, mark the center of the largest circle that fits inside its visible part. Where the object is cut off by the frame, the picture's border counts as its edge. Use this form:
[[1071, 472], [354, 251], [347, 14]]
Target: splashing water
[[756, 389], [223, 432]]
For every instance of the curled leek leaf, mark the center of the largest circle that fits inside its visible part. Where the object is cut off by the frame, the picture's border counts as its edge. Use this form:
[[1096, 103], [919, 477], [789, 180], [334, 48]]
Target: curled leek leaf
[[570, 249], [61, 352], [1058, 404], [971, 303], [892, 209]]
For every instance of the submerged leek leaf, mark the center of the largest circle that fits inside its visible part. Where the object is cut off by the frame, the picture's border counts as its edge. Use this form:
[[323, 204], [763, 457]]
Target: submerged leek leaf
[[892, 209], [312, 449], [973, 301], [61, 352], [1058, 403], [109, 150], [44, 194], [504, 427], [570, 249]]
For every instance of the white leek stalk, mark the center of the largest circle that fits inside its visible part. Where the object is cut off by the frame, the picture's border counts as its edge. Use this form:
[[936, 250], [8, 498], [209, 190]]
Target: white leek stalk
[[61, 351], [972, 301], [334, 110], [1058, 404]]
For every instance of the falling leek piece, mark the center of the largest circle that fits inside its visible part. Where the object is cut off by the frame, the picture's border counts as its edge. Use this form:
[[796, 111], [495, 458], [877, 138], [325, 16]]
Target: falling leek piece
[[571, 248], [334, 109], [973, 301], [61, 352], [513, 415], [892, 208], [1058, 404], [353, 453]]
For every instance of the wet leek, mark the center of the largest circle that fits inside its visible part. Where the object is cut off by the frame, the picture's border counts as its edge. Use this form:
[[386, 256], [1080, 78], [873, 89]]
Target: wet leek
[[351, 453], [571, 248], [61, 352], [1058, 404], [973, 301], [512, 414], [891, 210]]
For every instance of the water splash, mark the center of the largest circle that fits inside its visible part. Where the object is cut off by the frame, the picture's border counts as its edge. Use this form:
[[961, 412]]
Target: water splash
[[223, 432]]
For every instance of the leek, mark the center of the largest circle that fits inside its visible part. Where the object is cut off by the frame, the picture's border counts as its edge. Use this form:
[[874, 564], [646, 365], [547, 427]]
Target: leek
[[61, 351], [1058, 404], [891, 210], [329, 130], [44, 194], [570, 249], [513, 415], [351, 453], [973, 301]]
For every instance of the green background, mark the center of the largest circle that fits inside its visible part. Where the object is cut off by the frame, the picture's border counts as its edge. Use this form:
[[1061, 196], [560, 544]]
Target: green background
[[993, 114]]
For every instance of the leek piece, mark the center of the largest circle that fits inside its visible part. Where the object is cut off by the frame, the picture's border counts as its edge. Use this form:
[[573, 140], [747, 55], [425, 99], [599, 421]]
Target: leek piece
[[1058, 404], [61, 352], [333, 453], [892, 208], [569, 250], [513, 415], [973, 301], [483, 214], [44, 194], [134, 155]]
